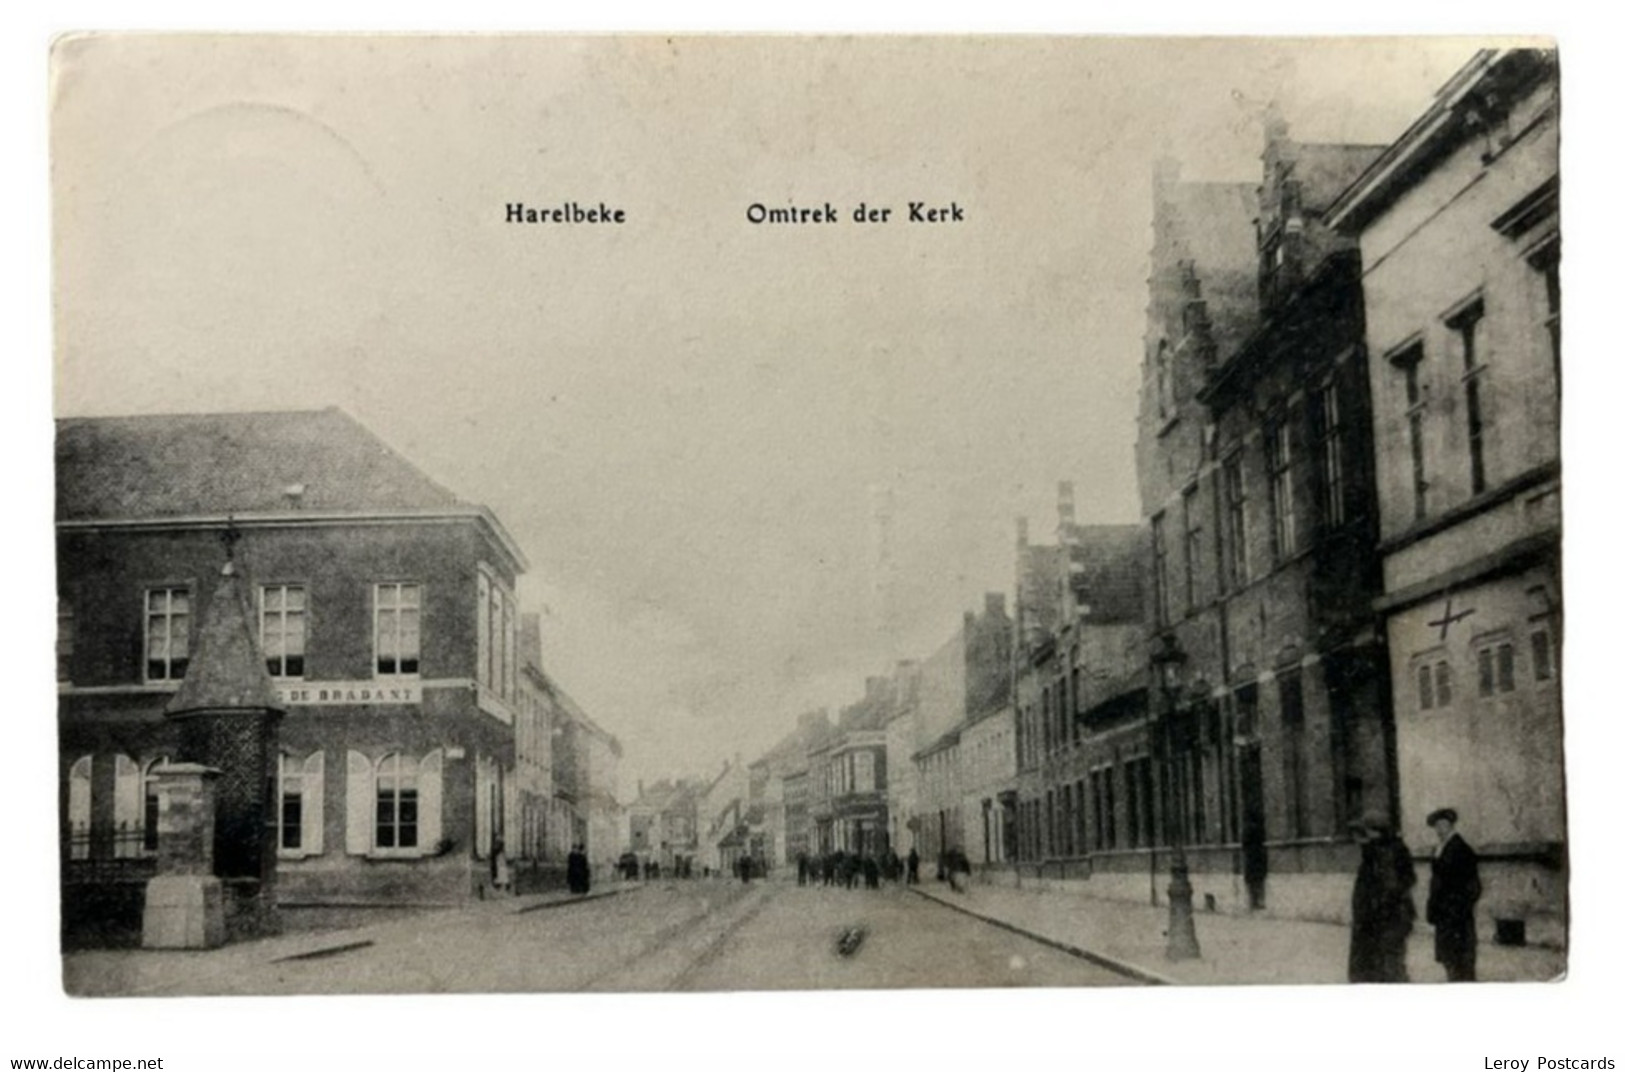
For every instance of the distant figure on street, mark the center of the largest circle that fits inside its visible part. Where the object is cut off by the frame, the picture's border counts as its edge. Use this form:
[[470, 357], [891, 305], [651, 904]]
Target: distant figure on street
[[871, 873], [1382, 911], [501, 878], [575, 870], [1453, 892], [958, 870], [913, 867], [744, 869], [801, 869]]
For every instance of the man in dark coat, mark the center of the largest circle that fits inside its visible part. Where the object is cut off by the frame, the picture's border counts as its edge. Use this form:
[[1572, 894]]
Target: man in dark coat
[[1453, 892], [575, 871], [913, 867], [1382, 911]]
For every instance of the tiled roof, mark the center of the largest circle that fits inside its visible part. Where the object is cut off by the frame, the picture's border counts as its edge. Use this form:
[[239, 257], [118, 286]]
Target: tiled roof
[[151, 467]]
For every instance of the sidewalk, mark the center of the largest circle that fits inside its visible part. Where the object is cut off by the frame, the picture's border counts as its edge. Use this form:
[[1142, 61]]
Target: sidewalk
[[1130, 938], [153, 972]]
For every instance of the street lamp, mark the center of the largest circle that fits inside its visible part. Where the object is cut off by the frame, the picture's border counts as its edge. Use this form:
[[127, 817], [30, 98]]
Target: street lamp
[[1182, 944]]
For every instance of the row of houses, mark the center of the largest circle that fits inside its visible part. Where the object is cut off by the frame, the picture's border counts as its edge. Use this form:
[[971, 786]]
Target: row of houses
[[283, 598], [1343, 597]]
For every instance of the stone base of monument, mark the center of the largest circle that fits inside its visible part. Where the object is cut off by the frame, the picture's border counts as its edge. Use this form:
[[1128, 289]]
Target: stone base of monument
[[184, 912]]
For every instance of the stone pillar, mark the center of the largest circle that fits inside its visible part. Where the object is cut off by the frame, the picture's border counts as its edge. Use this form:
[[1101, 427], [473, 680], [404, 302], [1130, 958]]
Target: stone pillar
[[185, 908]]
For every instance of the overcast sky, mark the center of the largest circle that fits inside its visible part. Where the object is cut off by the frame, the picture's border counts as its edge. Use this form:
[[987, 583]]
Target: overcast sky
[[687, 420]]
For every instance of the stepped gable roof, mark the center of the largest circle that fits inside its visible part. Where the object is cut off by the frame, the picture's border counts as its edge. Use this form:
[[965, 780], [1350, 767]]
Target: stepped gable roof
[[1109, 564], [186, 465], [228, 671]]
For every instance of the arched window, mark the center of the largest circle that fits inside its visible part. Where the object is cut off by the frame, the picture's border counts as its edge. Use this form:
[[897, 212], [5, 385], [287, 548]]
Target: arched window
[[392, 807], [79, 809], [149, 805], [135, 806], [396, 816], [299, 804]]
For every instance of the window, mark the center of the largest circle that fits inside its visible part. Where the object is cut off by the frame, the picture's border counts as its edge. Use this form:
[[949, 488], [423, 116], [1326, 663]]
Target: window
[[497, 613], [149, 805], [1044, 716], [396, 822], [1409, 362], [64, 639], [1289, 687], [1424, 687], [1162, 378], [397, 608], [299, 804], [1080, 830], [1465, 325], [1278, 454], [1159, 562], [1235, 534], [1105, 807], [1540, 649], [1545, 262], [1077, 699], [1066, 819], [1441, 683], [79, 811], [1139, 801], [282, 629], [1503, 668], [169, 618], [863, 772], [135, 806], [1193, 547], [1496, 672], [1333, 482]]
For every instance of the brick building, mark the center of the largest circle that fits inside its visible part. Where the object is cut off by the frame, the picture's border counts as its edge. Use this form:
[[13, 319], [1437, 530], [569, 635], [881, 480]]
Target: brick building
[[1457, 223], [1083, 606], [1267, 680], [381, 604]]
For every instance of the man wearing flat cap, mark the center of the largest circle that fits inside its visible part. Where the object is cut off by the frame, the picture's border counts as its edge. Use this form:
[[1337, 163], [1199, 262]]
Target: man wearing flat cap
[[1453, 893]]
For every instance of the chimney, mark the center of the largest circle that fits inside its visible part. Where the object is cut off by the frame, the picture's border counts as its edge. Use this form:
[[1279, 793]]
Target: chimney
[[530, 640], [1066, 507], [1021, 534], [1275, 125]]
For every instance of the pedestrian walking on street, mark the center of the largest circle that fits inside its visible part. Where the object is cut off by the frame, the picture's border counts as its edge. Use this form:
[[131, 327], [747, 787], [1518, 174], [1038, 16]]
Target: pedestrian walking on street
[[1453, 892], [501, 874], [913, 867], [575, 870], [1382, 911]]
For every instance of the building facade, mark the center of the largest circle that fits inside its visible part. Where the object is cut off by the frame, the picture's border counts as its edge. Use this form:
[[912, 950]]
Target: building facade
[[382, 606], [1457, 224], [1268, 681]]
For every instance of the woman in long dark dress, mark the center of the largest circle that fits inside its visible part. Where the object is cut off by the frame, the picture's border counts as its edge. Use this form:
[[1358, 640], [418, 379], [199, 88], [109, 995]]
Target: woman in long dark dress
[[1383, 912]]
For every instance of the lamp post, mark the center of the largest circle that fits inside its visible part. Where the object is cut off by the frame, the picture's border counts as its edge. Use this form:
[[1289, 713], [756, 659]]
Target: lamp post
[[1182, 944]]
